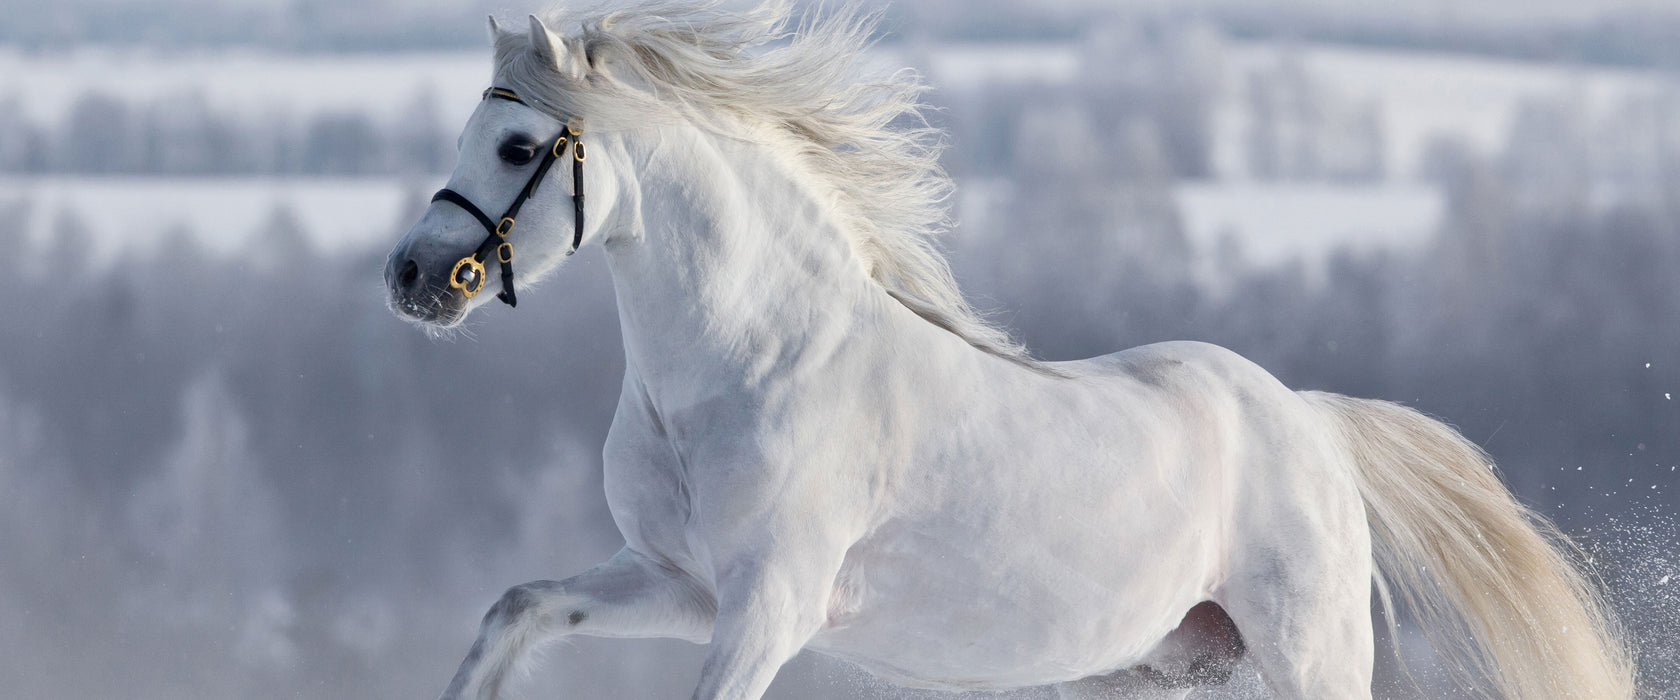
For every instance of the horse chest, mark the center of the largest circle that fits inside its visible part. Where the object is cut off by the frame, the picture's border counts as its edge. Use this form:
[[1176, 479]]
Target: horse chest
[[646, 485], [675, 480]]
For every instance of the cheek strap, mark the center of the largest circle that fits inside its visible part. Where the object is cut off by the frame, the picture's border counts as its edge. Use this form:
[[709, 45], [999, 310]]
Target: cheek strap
[[468, 273]]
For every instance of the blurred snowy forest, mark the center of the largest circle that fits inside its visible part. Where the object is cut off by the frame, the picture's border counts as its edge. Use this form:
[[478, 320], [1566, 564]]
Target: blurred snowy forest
[[227, 471]]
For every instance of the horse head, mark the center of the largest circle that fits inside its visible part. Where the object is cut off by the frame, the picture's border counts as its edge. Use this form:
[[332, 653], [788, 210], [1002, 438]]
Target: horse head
[[507, 200]]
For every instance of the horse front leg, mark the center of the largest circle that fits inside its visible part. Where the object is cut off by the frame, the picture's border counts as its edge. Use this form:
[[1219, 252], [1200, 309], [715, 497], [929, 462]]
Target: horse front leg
[[628, 595], [765, 615]]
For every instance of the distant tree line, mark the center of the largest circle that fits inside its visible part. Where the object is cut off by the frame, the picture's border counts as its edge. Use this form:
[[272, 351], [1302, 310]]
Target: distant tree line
[[183, 135]]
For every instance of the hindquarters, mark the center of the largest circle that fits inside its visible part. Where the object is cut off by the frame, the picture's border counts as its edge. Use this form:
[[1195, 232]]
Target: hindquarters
[[1300, 585], [1294, 553]]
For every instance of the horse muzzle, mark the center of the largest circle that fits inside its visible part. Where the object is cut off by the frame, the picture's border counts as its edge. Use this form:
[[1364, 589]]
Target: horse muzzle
[[418, 278]]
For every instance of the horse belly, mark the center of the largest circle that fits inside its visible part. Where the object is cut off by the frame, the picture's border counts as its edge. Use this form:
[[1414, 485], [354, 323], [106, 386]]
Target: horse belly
[[922, 615]]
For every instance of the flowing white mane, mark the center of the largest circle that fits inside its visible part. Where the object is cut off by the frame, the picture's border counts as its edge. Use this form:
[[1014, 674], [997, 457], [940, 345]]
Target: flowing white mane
[[864, 136]]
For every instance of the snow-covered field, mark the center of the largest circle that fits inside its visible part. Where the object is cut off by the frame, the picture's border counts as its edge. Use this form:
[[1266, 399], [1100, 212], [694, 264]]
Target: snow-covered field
[[1416, 96], [225, 215], [1271, 223], [1275, 223], [248, 83], [1419, 95]]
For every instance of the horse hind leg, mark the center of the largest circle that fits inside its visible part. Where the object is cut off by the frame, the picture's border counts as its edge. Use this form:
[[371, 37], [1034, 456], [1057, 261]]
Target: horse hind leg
[[1307, 620], [1309, 649]]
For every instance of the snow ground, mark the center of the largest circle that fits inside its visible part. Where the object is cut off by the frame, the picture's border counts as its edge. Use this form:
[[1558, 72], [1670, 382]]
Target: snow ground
[[225, 215], [1275, 223]]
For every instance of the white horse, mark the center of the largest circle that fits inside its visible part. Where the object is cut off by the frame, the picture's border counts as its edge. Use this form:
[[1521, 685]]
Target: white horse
[[820, 445]]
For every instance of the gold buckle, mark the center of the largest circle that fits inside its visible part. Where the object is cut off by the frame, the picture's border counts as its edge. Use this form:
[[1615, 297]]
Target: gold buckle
[[504, 252], [469, 288], [577, 152], [560, 146], [505, 227]]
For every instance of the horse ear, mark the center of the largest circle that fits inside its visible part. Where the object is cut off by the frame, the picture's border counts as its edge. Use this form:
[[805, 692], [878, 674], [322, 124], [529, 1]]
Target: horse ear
[[495, 29], [552, 49]]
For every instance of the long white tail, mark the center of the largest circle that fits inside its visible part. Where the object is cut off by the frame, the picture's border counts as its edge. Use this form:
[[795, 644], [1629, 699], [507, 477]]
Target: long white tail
[[1491, 582]]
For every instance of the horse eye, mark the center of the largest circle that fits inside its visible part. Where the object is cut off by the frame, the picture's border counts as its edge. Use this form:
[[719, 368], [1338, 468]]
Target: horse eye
[[517, 151]]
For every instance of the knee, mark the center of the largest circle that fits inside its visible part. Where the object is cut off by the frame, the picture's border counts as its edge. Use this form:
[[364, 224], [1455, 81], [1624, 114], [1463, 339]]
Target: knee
[[520, 601], [515, 602]]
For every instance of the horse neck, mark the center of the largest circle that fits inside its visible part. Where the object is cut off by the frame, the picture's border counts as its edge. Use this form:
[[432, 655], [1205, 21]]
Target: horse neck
[[738, 271]]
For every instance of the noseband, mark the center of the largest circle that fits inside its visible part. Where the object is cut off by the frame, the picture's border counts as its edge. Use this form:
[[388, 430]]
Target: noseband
[[468, 273]]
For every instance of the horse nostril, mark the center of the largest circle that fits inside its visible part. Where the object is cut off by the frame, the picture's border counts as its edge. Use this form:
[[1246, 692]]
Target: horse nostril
[[410, 275]]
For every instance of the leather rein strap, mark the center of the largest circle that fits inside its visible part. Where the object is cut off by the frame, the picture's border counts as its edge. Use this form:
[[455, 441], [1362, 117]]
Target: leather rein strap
[[468, 273]]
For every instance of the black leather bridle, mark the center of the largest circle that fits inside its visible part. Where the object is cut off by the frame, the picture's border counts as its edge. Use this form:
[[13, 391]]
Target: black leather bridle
[[468, 273]]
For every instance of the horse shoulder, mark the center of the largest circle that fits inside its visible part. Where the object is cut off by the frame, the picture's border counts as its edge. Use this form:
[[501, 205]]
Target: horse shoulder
[[644, 478]]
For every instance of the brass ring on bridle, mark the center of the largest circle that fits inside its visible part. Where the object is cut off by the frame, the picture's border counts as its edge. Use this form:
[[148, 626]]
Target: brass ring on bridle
[[476, 283]]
